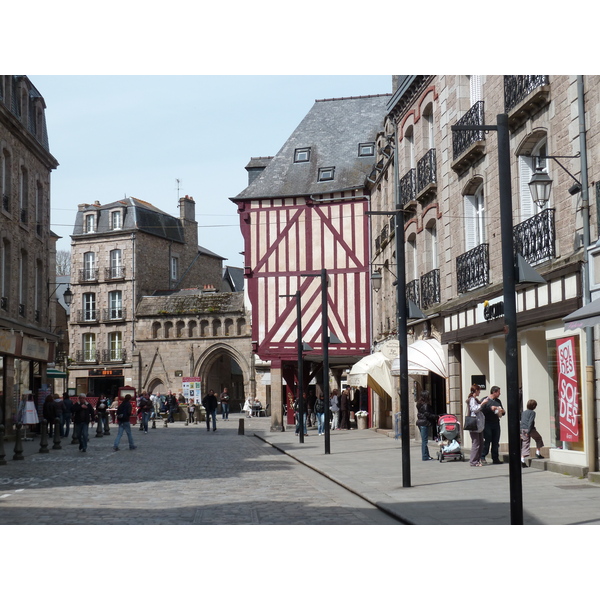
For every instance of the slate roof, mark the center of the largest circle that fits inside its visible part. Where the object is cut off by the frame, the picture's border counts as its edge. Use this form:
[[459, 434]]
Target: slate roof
[[190, 302], [333, 130]]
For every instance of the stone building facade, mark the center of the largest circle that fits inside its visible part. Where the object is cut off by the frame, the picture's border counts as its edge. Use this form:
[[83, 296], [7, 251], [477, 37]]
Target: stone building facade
[[448, 185], [27, 246]]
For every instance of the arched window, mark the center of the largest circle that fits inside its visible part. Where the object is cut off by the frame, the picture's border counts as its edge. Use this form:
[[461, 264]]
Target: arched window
[[428, 133], [89, 306], [228, 326], [204, 328], [156, 327], [474, 209], [216, 327], [241, 326], [89, 266], [528, 165], [168, 328], [179, 327], [412, 271], [115, 344], [409, 148], [431, 247], [5, 168], [192, 325], [89, 347]]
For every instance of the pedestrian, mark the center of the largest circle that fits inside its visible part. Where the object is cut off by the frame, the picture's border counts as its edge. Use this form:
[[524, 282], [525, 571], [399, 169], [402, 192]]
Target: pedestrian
[[474, 408], [49, 413], [345, 409], [425, 419], [145, 409], [320, 412], [297, 414], [155, 405], [529, 431], [67, 415], [191, 409], [225, 404], [334, 405], [172, 406], [493, 411], [123, 414], [102, 412], [59, 409], [354, 404], [83, 415], [210, 405], [310, 409], [248, 407]]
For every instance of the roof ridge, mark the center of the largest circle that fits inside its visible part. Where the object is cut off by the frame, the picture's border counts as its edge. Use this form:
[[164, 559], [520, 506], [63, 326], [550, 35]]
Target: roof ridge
[[352, 97]]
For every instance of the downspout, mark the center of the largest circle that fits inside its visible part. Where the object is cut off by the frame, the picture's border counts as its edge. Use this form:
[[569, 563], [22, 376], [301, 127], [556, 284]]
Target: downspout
[[589, 417]]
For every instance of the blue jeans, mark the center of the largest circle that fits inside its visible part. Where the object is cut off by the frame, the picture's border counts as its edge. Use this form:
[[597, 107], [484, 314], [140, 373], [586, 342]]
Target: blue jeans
[[298, 423], [84, 434], [124, 427], [212, 414], [424, 429], [225, 408], [145, 419], [321, 422], [65, 425]]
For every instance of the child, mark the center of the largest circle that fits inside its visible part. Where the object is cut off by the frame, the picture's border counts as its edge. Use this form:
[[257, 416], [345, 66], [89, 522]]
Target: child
[[529, 431]]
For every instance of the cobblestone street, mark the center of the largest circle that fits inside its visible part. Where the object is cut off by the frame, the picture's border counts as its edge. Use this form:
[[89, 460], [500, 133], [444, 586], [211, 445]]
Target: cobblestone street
[[180, 475]]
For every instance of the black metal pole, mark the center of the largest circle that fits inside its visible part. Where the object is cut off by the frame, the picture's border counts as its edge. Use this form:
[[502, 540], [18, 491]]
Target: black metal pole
[[325, 338], [300, 369], [510, 322]]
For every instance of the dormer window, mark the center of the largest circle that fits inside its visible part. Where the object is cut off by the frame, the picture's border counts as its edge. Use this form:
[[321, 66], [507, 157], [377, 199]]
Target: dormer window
[[326, 174], [366, 150], [115, 219], [89, 224], [301, 155]]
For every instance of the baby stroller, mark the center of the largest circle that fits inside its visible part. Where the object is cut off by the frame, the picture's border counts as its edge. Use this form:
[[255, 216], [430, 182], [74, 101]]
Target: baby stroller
[[449, 433]]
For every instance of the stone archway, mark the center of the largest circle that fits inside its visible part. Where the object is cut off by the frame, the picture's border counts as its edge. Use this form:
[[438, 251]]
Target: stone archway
[[221, 366], [157, 386]]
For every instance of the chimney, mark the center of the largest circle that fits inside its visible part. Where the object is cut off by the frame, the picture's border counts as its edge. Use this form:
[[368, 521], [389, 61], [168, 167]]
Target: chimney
[[187, 209]]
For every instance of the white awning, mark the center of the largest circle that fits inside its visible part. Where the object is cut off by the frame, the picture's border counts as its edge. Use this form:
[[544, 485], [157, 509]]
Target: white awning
[[373, 371], [424, 356]]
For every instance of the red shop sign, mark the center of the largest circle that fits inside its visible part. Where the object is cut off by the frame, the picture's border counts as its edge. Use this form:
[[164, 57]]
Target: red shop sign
[[568, 390]]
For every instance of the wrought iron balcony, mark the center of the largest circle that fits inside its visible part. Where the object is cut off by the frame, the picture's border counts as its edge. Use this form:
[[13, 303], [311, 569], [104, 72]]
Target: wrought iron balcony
[[408, 187], [90, 315], [4, 303], [473, 269], [426, 171], [88, 275], [413, 291], [6, 202], [518, 87], [87, 356], [111, 273], [467, 145], [535, 238], [430, 289], [115, 355], [114, 314]]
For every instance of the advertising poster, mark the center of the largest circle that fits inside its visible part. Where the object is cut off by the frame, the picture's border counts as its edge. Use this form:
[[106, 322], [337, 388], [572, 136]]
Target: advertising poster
[[568, 390], [191, 388]]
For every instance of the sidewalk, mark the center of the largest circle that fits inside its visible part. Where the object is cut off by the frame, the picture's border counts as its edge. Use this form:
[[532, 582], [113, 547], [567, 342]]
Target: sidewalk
[[369, 464]]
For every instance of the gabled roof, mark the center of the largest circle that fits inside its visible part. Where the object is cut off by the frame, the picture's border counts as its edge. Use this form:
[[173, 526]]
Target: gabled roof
[[234, 277], [333, 130]]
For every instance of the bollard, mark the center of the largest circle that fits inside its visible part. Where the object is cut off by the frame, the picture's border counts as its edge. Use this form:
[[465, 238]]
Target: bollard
[[241, 427], [75, 437], [56, 445], [2, 455], [99, 428], [18, 455], [153, 422], [44, 437], [187, 422]]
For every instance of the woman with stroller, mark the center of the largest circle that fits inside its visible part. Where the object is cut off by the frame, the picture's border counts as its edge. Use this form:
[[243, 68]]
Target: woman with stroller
[[474, 406], [425, 418]]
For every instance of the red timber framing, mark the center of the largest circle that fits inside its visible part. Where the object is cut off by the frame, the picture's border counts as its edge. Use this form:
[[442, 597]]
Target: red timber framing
[[285, 238]]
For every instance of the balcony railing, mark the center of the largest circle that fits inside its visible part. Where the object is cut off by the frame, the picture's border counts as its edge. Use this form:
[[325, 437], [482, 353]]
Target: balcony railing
[[88, 275], [115, 355], [87, 356], [473, 269], [114, 314], [408, 187], [6, 202], [535, 238], [413, 291], [430, 289], [426, 170], [111, 273], [90, 315], [462, 140], [21, 310], [518, 87]]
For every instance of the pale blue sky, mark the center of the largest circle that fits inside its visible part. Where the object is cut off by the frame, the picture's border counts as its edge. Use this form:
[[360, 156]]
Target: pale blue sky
[[117, 136]]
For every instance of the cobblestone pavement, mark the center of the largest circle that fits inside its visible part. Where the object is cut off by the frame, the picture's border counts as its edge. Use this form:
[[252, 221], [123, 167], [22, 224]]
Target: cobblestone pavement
[[180, 475]]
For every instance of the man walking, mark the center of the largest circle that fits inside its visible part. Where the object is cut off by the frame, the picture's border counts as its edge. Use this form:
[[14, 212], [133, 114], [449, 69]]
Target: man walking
[[83, 415], [123, 414], [225, 404], [492, 411], [210, 405]]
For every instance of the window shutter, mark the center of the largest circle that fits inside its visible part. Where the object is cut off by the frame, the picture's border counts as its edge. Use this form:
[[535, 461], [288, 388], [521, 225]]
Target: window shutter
[[525, 173], [470, 208]]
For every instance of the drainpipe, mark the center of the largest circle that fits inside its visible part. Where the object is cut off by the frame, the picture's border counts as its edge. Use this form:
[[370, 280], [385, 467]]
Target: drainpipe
[[589, 417]]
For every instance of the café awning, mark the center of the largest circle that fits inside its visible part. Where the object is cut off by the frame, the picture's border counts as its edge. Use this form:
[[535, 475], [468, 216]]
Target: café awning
[[424, 356], [55, 374], [373, 371], [586, 316]]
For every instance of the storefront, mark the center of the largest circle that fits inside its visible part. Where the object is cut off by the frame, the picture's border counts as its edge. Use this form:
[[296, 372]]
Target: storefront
[[100, 382]]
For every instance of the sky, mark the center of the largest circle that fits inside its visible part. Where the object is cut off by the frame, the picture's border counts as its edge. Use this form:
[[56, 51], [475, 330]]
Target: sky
[[159, 138]]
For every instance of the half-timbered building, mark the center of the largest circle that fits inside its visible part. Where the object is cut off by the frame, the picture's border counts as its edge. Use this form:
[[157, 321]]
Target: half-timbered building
[[304, 211]]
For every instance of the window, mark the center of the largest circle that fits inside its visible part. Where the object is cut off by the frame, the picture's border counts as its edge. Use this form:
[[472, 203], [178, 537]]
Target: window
[[301, 155], [89, 225], [115, 219], [4, 272], [115, 344], [528, 165], [115, 304], [89, 347], [5, 179], [366, 150], [22, 282], [116, 264], [89, 266], [174, 268], [411, 259], [431, 247], [39, 196], [474, 88], [409, 148], [23, 193], [428, 127], [326, 174], [89, 306], [474, 219]]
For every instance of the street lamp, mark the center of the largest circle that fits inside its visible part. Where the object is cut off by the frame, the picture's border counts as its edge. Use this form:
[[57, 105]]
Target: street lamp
[[67, 296]]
